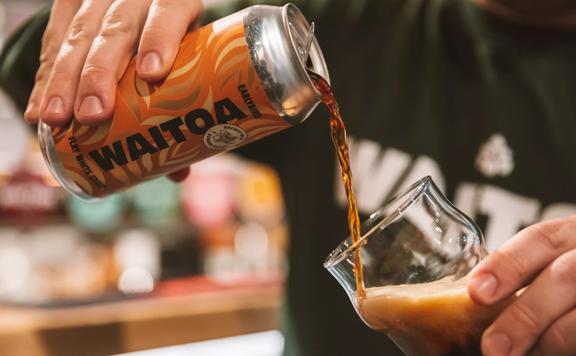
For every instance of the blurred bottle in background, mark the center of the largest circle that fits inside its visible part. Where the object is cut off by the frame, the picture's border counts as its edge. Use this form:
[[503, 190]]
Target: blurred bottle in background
[[238, 208]]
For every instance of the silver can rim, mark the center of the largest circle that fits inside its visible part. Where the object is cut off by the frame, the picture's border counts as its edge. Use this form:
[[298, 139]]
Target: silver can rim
[[316, 54]]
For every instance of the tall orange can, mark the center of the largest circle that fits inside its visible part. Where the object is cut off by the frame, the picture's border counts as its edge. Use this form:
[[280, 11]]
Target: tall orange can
[[234, 81]]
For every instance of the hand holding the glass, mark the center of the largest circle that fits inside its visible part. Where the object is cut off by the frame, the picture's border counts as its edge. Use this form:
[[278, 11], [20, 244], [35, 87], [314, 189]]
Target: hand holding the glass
[[415, 257], [425, 286], [542, 321], [414, 261]]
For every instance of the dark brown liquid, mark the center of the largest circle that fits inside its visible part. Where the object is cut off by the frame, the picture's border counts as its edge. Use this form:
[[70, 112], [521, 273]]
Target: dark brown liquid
[[429, 319], [338, 132]]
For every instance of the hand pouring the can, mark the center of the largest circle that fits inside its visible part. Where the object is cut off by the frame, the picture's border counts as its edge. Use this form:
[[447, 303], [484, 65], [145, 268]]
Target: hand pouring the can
[[87, 47]]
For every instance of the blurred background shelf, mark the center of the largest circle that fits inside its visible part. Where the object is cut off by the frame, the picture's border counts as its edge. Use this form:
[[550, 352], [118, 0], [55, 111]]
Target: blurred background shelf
[[174, 315]]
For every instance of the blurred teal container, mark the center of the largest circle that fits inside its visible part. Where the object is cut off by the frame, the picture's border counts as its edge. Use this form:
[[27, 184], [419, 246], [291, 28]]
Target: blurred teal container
[[157, 203], [99, 216]]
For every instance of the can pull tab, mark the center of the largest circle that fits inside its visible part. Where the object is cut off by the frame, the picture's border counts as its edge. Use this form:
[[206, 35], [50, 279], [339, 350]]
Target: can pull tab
[[309, 43], [304, 51]]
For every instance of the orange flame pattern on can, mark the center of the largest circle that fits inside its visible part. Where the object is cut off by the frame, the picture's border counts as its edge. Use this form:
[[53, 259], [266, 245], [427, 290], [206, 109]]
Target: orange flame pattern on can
[[211, 102]]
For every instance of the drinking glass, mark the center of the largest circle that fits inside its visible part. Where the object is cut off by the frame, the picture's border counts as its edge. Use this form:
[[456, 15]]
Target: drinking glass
[[415, 255]]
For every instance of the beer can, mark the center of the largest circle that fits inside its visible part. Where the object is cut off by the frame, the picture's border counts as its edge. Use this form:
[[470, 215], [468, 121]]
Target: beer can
[[234, 81]]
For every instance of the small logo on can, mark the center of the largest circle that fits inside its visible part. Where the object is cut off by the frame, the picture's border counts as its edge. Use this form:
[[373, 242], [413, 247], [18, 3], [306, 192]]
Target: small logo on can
[[224, 136]]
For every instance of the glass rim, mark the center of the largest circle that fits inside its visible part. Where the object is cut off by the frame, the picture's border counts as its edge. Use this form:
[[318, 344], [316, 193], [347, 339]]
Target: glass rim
[[409, 198]]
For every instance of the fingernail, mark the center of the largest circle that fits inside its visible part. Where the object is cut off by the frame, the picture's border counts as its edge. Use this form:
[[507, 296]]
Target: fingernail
[[485, 285], [30, 108], [55, 106], [91, 106], [497, 345], [150, 63]]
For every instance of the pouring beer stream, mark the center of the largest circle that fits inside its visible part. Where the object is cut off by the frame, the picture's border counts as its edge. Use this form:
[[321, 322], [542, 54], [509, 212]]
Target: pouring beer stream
[[339, 138]]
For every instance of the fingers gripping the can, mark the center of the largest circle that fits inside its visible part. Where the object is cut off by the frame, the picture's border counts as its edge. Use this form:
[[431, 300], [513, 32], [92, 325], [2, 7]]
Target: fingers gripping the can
[[87, 47], [60, 92], [63, 12], [168, 21], [107, 60]]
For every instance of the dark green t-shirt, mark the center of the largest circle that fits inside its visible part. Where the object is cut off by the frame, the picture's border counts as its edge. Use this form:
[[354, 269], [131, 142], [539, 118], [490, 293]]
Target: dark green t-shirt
[[427, 87]]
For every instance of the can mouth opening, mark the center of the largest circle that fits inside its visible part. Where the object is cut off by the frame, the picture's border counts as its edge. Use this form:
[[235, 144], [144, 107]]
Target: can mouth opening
[[298, 29], [277, 36], [55, 165]]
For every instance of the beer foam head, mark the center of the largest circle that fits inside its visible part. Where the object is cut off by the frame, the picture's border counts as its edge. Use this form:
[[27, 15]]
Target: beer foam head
[[443, 287]]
